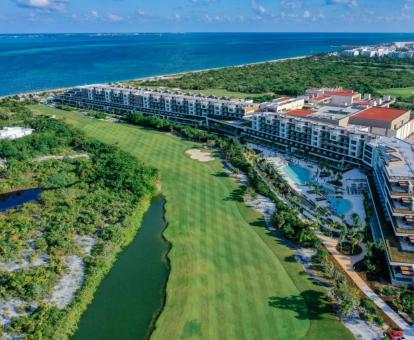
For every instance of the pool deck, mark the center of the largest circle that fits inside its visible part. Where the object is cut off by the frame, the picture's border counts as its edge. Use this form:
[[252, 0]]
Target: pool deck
[[280, 161]]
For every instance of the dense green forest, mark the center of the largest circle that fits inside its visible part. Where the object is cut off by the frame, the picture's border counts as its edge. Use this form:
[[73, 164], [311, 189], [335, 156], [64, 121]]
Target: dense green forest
[[292, 77], [101, 195]]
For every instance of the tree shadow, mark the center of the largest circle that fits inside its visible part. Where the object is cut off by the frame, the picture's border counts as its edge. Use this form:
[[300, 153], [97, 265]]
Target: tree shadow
[[220, 174], [308, 305], [236, 195], [291, 259]]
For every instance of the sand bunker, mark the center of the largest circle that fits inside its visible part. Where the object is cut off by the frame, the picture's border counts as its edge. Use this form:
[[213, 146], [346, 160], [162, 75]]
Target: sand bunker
[[199, 155]]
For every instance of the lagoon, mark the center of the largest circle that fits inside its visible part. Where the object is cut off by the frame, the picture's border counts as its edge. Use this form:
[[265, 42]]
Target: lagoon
[[15, 199], [132, 295]]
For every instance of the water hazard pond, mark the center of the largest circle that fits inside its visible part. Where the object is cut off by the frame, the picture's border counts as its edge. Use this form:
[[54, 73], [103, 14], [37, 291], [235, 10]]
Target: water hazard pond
[[15, 199], [132, 295]]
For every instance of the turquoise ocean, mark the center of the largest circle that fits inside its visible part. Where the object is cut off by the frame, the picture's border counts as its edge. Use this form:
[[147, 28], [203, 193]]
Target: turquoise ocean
[[34, 62]]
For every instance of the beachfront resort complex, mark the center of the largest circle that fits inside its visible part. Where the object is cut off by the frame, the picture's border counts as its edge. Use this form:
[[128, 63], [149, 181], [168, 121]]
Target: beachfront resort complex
[[401, 50], [337, 126]]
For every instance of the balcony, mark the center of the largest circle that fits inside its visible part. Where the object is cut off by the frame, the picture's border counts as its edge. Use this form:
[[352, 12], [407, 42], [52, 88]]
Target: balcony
[[407, 243], [404, 225], [403, 206], [397, 190], [403, 274]]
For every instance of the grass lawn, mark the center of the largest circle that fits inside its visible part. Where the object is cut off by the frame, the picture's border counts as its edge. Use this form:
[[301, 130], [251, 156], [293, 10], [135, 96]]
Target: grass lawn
[[230, 279], [404, 92]]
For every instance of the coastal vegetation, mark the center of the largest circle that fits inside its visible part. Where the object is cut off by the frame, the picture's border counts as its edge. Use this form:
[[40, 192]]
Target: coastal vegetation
[[219, 245], [292, 77], [90, 208]]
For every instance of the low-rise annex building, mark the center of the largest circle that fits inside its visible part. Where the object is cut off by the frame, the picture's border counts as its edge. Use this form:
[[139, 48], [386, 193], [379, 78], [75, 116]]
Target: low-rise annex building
[[385, 121]]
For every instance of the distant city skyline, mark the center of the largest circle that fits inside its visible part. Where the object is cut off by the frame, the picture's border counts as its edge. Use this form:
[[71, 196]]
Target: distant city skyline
[[33, 16]]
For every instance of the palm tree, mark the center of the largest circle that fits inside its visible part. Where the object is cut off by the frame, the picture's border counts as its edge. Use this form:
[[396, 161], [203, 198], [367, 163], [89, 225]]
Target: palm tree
[[358, 239], [343, 234], [355, 220], [353, 236]]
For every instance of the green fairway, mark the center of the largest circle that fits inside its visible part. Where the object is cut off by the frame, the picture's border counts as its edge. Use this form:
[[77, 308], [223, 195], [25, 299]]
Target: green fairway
[[230, 279], [404, 92]]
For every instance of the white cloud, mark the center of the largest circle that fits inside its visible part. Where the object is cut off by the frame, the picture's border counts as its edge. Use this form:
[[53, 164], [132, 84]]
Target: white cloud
[[95, 14], [291, 4], [43, 5], [306, 14], [258, 8], [114, 17]]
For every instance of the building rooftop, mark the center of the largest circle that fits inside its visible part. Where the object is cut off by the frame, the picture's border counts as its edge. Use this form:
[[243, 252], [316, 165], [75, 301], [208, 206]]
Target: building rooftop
[[155, 92], [380, 113], [320, 98], [342, 93], [399, 156], [282, 99], [300, 112]]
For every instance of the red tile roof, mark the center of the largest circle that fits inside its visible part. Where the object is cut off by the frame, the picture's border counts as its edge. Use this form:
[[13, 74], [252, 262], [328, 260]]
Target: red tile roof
[[300, 112], [320, 98], [282, 99], [342, 93], [380, 113]]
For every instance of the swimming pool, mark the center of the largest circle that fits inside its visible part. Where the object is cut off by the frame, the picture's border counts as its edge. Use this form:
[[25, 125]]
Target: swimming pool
[[340, 206], [297, 173]]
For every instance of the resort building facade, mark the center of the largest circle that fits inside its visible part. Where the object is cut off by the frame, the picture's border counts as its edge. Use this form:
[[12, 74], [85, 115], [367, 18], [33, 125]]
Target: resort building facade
[[339, 132], [389, 159], [173, 104]]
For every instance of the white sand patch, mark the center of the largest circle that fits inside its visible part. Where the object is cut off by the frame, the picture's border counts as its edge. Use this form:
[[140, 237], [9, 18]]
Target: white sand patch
[[362, 329], [25, 263], [27, 260], [64, 291], [263, 205], [85, 243], [9, 310], [200, 155]]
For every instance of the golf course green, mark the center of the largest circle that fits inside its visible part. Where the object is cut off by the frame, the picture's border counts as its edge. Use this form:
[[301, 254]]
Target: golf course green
[[229, 279]]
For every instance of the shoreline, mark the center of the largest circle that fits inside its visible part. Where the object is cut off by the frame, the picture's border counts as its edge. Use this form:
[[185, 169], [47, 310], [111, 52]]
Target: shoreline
[[156, 77]]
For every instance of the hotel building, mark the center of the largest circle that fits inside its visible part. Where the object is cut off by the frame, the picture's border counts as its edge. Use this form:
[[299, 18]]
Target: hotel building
[[328, 137], [340, 133], [177, 106]]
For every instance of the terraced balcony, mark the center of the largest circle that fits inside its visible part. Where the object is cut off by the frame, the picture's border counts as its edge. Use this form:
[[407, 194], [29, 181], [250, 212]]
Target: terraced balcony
[[403, 206], [404, 225], [396, 190]]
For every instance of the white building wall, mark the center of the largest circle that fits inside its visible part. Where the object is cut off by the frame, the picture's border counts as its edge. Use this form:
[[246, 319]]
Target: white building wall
[[406, 130]]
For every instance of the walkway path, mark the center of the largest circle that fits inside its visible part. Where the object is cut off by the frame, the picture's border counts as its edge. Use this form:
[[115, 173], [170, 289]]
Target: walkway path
[[60, 157], [347, 264]]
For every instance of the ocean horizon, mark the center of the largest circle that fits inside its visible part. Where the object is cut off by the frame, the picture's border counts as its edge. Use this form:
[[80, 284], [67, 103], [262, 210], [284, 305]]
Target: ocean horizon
[[35, 62]]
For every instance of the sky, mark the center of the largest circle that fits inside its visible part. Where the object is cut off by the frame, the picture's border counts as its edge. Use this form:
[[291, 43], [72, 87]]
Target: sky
[[44, 16]]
